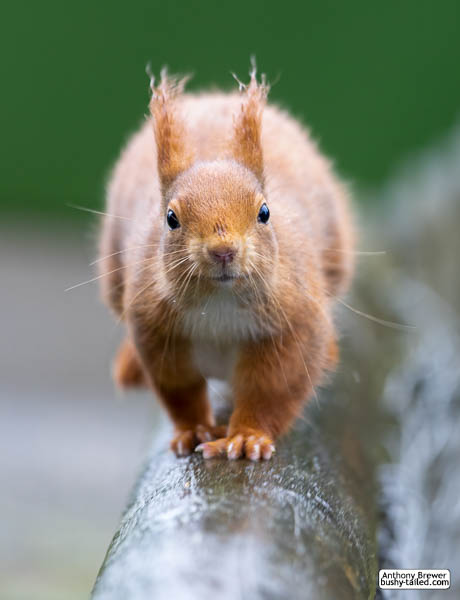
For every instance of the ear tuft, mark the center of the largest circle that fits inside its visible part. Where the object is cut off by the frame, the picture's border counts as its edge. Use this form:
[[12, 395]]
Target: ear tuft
[[173, 157], [246, 145]]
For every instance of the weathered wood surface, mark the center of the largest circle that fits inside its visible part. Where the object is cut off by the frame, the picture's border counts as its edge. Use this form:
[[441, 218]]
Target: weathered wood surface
[[299, 526]]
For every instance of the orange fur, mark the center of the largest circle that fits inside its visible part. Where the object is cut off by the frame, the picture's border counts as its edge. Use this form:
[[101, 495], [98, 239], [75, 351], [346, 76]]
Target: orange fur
[[262, 320], [246, 143], [173, 156], [127, 369]]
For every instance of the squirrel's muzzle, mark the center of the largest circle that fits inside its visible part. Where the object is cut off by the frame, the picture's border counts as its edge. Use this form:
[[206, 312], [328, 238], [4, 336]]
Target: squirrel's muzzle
[[223, 255]]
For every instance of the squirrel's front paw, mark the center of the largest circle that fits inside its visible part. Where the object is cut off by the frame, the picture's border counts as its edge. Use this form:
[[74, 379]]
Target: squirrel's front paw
[[254, 446], [185, 441]]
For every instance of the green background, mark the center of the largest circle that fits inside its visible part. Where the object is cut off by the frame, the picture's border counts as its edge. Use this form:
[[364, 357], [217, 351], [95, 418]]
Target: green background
[[375, 81]]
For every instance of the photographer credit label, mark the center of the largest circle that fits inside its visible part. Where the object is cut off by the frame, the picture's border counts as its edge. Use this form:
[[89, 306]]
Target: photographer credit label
[[414, 579]]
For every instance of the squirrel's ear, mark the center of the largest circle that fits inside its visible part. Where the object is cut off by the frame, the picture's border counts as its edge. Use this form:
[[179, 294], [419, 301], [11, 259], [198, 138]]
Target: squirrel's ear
[[246, 145], [173, 157]]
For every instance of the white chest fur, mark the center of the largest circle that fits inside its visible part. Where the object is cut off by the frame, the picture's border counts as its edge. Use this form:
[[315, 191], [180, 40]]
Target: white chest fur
[[217, 327], [214, 362], [221, 318]]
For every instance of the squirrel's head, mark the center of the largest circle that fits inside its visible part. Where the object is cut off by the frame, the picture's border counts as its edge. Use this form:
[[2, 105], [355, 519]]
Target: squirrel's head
[[217, 225]]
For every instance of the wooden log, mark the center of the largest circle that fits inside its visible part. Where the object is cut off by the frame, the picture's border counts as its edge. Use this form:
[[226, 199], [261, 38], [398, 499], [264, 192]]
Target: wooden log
[[299, 526]]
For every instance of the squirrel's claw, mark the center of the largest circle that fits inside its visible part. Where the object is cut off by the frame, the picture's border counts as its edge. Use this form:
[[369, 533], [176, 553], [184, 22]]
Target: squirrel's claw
[[185, 441], [254, 447]]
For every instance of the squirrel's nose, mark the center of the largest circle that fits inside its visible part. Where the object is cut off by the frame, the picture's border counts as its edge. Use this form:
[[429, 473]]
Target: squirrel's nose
[[222, 254]]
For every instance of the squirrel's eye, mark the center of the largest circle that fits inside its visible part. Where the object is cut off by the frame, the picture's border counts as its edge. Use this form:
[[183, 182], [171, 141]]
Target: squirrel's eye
[[172, 220], [264, 214]]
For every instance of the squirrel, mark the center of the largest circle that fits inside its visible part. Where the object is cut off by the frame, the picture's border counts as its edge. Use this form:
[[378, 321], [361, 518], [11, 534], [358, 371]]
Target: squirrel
[[226, 240]]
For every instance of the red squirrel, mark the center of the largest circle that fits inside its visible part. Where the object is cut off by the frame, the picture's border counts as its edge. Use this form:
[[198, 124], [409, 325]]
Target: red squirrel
[[226, 241]]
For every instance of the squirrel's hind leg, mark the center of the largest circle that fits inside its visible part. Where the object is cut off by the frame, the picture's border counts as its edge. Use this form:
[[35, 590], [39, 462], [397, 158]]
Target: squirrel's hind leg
[[127, 369]]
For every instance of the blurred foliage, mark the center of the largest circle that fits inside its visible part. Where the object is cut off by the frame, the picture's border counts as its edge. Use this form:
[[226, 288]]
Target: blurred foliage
[[374, 80]]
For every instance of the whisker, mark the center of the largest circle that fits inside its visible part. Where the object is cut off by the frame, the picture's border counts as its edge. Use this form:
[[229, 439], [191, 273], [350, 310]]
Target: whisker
[[176, 263], [357, 252], [383, 322], [98, 260], [341, 251], [72, 287], [125, 281], [136, 248], [97, 212], [295, 337], [275, 348], [172, 325], [187, 277], [173, 321], [141, 291]]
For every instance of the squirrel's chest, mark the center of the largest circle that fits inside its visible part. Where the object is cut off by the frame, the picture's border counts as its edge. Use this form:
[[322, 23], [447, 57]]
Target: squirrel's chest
[[221, 318], [216, 328], [212, 361]]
